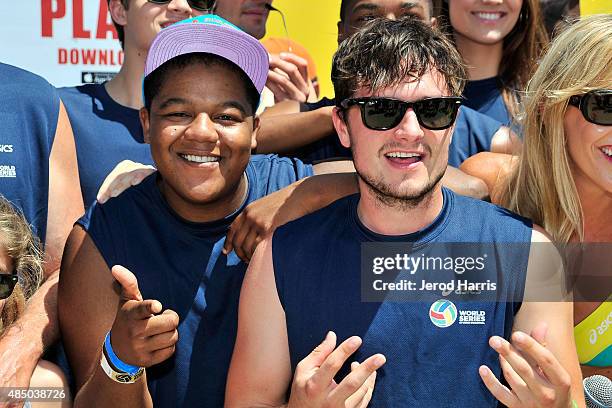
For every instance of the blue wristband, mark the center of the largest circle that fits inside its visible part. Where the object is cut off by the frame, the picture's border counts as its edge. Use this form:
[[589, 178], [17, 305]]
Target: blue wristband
[[114, 360]]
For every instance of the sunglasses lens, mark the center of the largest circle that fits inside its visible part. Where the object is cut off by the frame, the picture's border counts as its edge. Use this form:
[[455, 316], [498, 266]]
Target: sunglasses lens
[[201, 5], [7, 284], [382, 114], [436, 113], [598, 107]]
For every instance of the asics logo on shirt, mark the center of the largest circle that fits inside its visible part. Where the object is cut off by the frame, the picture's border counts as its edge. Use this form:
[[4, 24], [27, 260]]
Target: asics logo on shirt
[[6, 148]]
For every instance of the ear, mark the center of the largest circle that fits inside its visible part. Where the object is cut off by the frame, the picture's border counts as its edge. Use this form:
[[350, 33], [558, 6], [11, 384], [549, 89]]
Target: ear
[[341, 32], [256, 126], [117, 12], [144, 122], [339, 117], [434, 22]]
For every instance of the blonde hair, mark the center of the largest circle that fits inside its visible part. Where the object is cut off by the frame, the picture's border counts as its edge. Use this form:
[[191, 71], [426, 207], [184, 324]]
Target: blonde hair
[[542, 186], [23, 247]]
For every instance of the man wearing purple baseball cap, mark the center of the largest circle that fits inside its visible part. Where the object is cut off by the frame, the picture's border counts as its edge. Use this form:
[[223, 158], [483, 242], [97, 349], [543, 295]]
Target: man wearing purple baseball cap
[[171, 307]]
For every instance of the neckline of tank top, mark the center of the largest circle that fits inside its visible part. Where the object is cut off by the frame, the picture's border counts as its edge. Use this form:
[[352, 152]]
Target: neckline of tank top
[[205, 229], [421, 237]]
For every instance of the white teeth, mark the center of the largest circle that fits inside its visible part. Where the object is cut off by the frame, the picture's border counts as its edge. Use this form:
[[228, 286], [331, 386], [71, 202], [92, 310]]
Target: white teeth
[[403, 155], [607, 151], [489, 16], [199, 159]]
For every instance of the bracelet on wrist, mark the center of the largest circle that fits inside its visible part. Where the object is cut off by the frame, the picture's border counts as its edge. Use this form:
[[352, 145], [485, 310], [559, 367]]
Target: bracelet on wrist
[[115, 361]]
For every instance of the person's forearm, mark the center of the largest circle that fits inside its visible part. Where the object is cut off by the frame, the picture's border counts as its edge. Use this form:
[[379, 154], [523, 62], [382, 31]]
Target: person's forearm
[[24, 342], [319, 191], [284, 133], [100, 391], [464, 184]]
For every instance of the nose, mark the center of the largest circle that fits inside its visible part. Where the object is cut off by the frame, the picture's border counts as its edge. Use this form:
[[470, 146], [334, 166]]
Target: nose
[[202, 130], [180, 7], [409, 128]]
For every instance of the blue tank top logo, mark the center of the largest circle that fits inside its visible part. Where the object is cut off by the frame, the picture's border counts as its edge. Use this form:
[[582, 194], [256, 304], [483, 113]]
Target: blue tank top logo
[[443, 313]]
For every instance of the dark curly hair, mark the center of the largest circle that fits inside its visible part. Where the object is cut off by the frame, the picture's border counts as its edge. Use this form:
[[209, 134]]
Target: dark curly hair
[[385, 52]]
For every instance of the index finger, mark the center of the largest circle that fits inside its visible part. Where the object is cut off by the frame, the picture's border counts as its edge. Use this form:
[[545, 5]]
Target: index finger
[[545, 359], [353, 382], [229, 238], [332, 364], [298, 61]]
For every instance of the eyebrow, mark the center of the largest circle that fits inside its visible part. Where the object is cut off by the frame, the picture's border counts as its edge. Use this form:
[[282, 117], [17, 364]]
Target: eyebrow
[[373, 7], [180, 101]]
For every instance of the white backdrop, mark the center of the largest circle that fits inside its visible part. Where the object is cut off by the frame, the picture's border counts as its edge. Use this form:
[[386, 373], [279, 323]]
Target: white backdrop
[[67, 42]]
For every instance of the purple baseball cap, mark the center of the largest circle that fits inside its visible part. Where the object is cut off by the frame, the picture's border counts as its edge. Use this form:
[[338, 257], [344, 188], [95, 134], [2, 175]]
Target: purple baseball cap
[[211, 34]]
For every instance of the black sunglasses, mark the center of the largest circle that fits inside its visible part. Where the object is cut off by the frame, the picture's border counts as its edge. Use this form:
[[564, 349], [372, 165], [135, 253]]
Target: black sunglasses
[[596, 106], [387, 113], [7, 284], [200, 5]]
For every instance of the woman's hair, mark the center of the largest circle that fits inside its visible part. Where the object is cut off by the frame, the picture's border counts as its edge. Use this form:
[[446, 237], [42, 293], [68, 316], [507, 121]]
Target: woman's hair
[[23, 247], [522, 48], [542, 187]]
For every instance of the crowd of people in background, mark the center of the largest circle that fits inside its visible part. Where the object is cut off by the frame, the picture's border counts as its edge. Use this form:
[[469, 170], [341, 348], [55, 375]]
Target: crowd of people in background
[[191, 232]]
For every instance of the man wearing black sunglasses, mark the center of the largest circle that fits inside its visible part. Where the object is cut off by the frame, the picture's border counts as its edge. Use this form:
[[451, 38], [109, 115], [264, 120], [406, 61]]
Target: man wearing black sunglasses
[[396, 105]]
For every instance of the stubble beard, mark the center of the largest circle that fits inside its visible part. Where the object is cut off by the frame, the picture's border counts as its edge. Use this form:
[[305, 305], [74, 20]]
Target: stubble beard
[[386, 196]]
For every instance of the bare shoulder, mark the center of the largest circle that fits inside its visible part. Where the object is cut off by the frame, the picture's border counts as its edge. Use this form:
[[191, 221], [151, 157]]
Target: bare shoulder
[[492, 168]]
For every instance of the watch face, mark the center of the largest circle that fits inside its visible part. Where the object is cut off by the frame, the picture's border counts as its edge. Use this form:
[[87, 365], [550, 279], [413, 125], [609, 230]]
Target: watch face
[[129, 378]]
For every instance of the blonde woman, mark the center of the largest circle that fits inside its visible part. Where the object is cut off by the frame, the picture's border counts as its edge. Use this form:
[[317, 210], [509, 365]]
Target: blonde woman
[[563, 178], [20, 276]]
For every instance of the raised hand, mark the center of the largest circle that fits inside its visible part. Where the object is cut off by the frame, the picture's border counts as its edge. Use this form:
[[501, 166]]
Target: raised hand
[[141, 336], [535, 376], [313, 382], [288, 78]]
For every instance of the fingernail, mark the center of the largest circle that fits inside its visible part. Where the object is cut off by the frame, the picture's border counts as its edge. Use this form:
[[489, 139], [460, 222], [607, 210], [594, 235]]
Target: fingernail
[[355, 342], [496, 342], [380, 360], [519, 337], [283, 54], [483, 370], [327, 336]]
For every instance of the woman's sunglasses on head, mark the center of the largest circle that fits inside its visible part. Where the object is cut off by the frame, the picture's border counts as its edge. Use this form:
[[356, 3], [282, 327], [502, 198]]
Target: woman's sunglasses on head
[[387, 113], [596, 106], [199, 5], [7, 284]]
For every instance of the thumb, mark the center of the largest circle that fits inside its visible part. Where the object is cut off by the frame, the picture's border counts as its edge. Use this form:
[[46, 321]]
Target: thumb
[[128, 282], [320, 353], [539, 333]]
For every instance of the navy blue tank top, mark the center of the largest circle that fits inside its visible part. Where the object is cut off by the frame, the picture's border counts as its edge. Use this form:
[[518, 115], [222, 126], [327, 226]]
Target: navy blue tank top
[[180, 263], [317, 270], [485, 96], [29, 109], [105, 134], [473, 134]]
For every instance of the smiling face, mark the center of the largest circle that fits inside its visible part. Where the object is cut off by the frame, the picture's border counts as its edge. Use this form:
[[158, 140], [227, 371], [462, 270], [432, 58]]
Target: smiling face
[[483, 21], [403, 164], [359, 12], [142, 20], [201, 129], [249, 15], [590, 150]]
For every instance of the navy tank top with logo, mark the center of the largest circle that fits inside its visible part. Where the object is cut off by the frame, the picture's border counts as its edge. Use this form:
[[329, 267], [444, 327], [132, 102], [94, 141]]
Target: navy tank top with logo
[[29, 109], [317, 271]]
